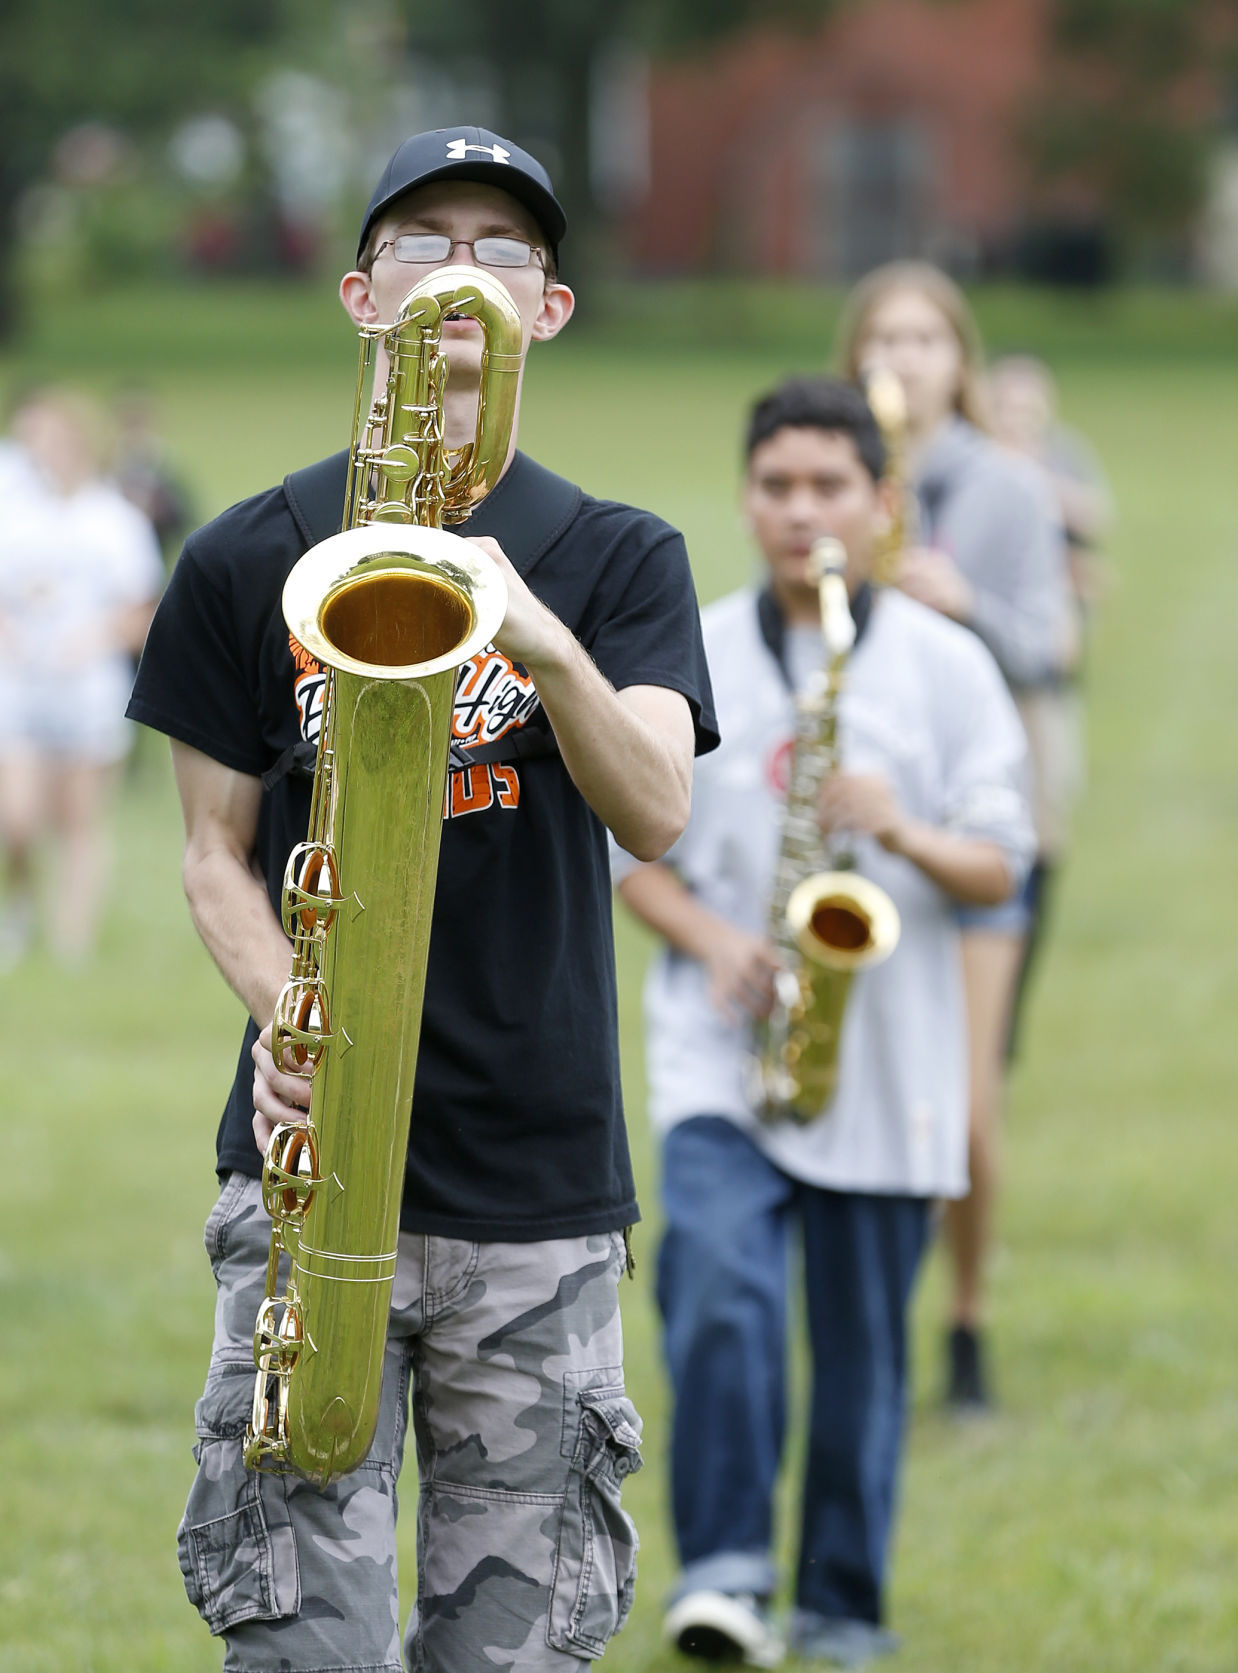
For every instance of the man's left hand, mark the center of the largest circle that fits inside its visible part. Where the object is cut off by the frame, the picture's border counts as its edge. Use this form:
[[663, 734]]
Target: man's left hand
[[932, 577]]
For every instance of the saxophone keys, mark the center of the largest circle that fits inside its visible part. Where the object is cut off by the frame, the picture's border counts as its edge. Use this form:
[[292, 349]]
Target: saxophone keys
[[388, 511], [289, 1172], [400, 462], [278, 1334], [301, 1027], [311, 895]]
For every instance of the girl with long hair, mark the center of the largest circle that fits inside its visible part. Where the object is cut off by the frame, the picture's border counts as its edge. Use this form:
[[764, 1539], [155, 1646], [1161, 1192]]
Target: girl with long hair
[[985, 548]]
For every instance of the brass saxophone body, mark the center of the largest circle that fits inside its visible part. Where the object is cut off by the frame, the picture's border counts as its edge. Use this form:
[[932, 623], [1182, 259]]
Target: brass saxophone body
[[825, 920], [391, 608], [883, 390]]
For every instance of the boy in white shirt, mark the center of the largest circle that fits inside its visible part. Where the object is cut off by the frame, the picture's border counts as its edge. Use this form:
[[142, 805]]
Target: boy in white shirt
[[930, 801]]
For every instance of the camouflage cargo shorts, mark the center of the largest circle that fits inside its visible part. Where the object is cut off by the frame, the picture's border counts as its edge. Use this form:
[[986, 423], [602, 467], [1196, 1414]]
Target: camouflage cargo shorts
[[511, 1354]]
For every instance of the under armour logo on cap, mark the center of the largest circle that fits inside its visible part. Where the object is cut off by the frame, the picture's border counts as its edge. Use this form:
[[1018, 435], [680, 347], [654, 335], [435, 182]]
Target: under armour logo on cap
[[466, 153], [457, 148]]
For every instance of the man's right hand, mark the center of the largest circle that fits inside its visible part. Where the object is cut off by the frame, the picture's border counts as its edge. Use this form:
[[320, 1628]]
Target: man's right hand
[[740, 969], [277, 1096]]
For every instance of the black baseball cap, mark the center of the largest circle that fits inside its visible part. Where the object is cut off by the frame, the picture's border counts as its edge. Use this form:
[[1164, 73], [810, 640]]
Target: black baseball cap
[[469, 154]]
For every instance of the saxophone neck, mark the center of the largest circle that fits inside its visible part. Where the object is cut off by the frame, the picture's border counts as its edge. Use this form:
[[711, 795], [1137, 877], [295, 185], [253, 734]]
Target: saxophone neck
[[828, 563], [403, 468]]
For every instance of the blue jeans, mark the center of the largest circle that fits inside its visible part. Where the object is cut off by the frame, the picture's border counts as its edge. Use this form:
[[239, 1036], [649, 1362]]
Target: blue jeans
[[722, 1286]]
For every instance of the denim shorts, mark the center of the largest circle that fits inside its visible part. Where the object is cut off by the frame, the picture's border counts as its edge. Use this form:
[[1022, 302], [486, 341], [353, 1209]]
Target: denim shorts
[[1012, 916]]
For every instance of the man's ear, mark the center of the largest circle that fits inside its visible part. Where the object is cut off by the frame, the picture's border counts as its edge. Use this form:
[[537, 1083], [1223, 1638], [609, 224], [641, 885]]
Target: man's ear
[[558, 303], [357, 297]]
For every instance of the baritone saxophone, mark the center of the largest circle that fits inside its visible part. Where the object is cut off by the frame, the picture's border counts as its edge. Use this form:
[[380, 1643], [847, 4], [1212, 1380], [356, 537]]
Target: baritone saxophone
[[391, 608], [826, 921]]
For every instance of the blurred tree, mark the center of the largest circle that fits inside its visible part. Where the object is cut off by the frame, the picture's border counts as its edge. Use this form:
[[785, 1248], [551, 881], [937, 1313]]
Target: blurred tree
[[1128, 115], [542, 55], [138, 64]]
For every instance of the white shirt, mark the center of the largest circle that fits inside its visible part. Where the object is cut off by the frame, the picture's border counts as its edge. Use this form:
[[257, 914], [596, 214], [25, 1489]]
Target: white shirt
[[924, 704], [66, 561]]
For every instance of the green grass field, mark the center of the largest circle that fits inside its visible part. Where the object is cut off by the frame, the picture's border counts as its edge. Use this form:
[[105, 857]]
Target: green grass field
[[1093, 1525]]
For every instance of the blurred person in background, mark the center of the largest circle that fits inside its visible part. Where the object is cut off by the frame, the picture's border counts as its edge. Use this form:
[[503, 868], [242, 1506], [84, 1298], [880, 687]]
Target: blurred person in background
[[987, 551], [79, 576], [928, 793], [16, 465], [144, 472], [1022, 401]]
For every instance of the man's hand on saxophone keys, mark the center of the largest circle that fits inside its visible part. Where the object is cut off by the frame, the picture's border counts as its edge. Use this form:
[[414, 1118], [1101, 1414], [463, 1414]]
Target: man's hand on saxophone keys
[[865, 805], [277, 1096], [740, 970], [531, 634], [932, 577], [971, 869]]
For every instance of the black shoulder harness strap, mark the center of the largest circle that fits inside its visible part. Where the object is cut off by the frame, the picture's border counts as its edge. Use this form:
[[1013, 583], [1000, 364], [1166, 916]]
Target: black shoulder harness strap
[[773, 628], [298, 759], [316, 497], [529, 510]]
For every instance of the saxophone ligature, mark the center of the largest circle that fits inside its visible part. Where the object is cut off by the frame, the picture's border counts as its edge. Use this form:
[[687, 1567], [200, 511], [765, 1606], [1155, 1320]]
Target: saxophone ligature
[[390, 608], [825, 923]]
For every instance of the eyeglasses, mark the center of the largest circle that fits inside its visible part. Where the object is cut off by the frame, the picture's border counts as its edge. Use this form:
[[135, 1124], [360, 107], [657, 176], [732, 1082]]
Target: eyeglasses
[[427, 249]]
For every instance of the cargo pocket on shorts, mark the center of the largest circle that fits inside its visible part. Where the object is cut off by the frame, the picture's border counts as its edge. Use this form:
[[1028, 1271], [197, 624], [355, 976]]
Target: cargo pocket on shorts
[[227, 1205], [236, 1544], [595, 1560]]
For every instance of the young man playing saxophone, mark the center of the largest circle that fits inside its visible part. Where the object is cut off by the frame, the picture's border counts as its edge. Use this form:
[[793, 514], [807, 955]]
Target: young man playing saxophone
[[504, 1325], [928, 798]]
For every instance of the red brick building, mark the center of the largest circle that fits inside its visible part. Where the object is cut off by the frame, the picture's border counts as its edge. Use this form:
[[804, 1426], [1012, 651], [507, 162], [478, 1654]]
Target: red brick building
[[890, 132]]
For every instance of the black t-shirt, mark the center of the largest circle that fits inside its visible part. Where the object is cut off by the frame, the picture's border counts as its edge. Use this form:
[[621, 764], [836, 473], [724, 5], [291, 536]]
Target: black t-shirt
[[517, 1129]]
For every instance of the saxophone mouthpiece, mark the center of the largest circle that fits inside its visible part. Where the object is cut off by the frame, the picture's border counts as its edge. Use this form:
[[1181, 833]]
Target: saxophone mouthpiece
[[827, 557], [883, 390]]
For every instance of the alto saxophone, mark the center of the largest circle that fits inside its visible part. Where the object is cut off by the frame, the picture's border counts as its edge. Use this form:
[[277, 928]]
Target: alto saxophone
[[825, 923], [883, 390], [391, 608]]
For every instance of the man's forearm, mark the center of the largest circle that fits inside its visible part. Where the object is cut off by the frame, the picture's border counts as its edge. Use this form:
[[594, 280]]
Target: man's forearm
[[627, 770], [661, 900], [233, 915], [971, 869]]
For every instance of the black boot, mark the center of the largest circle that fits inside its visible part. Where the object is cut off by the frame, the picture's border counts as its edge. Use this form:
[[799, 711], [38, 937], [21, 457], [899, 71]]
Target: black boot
[[967, 1382]]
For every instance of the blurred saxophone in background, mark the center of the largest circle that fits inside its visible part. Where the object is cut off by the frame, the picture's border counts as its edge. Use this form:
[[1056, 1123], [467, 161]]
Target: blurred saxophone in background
[[826, 923], [888, 404], [390, 608]]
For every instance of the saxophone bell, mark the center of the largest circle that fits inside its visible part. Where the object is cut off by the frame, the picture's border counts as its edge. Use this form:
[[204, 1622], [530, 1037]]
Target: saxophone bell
[[842, 921]]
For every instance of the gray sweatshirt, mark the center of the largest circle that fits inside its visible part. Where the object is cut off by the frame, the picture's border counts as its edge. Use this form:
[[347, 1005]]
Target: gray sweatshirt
[[994, 514]]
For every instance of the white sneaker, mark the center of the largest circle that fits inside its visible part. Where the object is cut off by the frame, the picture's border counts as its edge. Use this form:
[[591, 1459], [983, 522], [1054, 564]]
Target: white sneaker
[[717, 1626]]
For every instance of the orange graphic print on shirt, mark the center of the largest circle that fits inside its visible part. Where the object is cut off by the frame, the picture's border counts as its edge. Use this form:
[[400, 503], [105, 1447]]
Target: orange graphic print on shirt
[[308, 685], [493, 696]]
